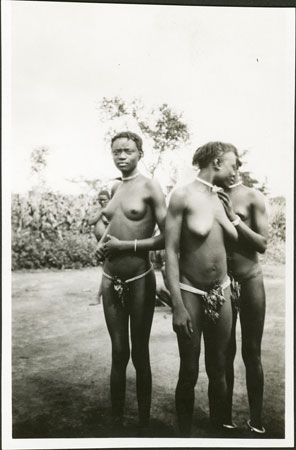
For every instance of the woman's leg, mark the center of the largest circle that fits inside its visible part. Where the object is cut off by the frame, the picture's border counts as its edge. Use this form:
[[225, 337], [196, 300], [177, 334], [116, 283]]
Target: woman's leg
[[99, 294], [141, 302], [230, 366], [217, 339], [189, 350], [252, 314], [117, 323]]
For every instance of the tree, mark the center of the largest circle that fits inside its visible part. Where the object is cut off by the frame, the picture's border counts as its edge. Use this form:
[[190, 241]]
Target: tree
[[247, 177], [168, 133], [162, 126], [263, 187], [90, 185], [38, 158]]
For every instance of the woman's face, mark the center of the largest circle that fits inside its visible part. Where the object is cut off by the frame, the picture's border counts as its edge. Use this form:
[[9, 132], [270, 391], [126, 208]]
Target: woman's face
[[125, 154], [103, 200], [228, 170]]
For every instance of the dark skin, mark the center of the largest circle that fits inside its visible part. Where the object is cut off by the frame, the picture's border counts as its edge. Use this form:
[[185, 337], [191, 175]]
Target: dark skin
[[136, 207], [196, 230], [243, 263], [95, 218]]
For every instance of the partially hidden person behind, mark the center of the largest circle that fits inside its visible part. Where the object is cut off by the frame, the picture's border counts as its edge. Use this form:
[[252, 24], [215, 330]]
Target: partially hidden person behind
[[245, 207], [137, 205], [197, 229], [100, 223]]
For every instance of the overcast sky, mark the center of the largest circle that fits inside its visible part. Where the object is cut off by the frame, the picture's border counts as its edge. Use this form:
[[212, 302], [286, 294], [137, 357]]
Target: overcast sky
[[229, 70]]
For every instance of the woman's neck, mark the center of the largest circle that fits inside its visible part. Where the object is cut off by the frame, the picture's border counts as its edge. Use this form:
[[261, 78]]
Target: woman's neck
[[235, 184], [206, 175], [130, 175]]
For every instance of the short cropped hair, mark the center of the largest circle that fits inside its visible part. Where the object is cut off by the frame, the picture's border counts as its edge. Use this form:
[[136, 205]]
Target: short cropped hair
[[129, 135], [212, 150], [104, 192]]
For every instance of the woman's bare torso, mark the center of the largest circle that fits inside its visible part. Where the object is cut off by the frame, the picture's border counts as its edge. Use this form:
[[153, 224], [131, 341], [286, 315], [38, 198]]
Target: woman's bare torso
[[131, 217], [242, 258], [202, 249]]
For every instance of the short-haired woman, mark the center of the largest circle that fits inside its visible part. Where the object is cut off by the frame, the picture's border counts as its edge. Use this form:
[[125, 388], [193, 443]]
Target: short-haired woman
[[128, 286], [197, 229]]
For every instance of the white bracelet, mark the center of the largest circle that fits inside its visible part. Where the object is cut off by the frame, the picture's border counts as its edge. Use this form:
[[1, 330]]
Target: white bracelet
[[135, 245], [236, 221]]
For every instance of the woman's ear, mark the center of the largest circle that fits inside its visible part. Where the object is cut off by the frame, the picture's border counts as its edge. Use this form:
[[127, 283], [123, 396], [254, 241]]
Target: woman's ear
[[217, 164], [141, 153]]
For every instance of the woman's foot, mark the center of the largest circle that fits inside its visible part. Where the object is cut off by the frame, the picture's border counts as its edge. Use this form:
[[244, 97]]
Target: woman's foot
[[117, 427], [259, 430], [143, 431], [229, 426]]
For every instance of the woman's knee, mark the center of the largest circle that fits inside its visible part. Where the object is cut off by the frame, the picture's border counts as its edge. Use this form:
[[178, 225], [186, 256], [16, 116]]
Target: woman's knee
[[188, 375], [216, 366], [120, 356], [251, 354], [140, 357]]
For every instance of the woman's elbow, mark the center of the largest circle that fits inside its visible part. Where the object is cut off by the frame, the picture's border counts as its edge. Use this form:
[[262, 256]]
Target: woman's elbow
[[234, 235], [91, 219], [160, 243], [263, 246]]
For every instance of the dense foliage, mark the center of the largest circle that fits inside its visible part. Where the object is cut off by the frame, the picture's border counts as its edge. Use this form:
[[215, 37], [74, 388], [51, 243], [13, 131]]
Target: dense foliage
[[49, 230], [277, 219]]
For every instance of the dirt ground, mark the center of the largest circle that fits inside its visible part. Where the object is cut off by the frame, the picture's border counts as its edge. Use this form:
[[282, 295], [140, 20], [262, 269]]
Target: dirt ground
[[61, 363]]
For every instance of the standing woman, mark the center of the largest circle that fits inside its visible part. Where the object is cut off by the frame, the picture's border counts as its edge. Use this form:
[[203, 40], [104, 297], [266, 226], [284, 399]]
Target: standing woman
[[245, 207], [128, 284], [197, 230]]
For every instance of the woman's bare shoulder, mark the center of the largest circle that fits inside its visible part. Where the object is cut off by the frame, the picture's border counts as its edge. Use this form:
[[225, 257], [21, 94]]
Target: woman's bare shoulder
[[150, 182], [179, 196], [255, 196], [259, 201], [152, 185], [115, 186]]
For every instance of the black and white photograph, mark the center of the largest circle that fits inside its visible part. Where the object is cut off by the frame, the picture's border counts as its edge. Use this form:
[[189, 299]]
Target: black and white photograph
[[147, 217]]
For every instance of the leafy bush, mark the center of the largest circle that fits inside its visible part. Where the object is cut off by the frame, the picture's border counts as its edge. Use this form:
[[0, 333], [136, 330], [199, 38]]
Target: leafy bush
[[276, 249], [49, 230], [277, 219]]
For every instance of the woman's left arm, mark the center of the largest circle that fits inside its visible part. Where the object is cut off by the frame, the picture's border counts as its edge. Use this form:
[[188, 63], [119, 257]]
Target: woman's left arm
[[93, 216], [257, 235], [157, 242]]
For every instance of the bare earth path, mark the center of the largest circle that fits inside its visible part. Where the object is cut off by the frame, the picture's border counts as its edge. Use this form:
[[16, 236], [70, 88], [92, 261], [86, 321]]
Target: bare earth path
[[61, 362]]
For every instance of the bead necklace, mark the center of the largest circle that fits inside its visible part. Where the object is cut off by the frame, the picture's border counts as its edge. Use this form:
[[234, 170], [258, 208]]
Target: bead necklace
[[235, 184], [213, 187], [131, 177]]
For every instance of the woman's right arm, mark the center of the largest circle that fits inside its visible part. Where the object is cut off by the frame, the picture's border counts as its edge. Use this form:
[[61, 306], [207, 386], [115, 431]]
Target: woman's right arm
[[181, 318]]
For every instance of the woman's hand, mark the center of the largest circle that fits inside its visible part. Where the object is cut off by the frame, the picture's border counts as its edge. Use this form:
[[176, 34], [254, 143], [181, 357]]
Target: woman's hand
[[111, 246], [100, 252], [226, 202], [182, 324]]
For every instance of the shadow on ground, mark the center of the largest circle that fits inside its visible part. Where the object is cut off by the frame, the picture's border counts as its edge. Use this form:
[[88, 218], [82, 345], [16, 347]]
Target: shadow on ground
[[61, 362], [73, 411]]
